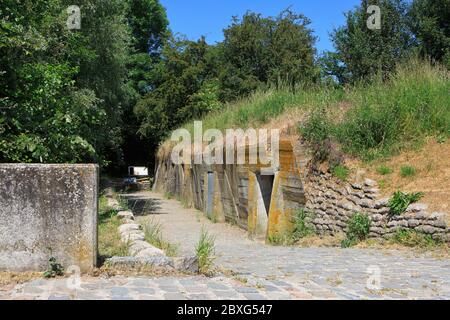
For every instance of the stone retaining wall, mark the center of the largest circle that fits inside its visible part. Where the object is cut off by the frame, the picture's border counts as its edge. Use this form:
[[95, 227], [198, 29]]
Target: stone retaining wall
[[333, 202]]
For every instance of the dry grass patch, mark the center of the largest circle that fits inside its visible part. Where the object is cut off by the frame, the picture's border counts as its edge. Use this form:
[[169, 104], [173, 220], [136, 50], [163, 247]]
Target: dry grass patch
[[432, 164], [13, 278]]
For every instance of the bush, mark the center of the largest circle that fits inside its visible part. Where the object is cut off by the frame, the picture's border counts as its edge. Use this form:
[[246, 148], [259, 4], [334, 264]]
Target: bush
[[302, 227], [55, 269], [400, 201], [358, 228]]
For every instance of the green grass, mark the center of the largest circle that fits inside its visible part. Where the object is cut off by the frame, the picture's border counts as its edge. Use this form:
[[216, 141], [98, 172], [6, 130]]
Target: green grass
[[302, 225], [381, 118], [109, 242], [205, 251], [407, 171], [400, 201], [358, 228], [412, 238], [340, 172], [153, 235], [384, 170]]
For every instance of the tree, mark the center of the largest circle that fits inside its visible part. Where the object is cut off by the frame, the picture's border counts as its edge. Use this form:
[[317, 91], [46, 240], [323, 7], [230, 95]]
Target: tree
[[430, 22], [258, 51], [62, 91], [183, 88], [365, 52]]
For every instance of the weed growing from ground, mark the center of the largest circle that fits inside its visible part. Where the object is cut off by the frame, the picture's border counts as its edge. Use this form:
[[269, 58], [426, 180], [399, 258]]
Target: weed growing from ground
[[153, 235], [205, 251], [383, 170], [407, 171], [358, 228], [400, 201], [55, 269]]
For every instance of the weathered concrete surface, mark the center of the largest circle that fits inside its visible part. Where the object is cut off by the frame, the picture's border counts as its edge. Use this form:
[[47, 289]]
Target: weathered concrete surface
[[48, 211]]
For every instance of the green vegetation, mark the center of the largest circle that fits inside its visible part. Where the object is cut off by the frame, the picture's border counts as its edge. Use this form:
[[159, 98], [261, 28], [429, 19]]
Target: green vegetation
[[55, 269], [205, 251], [400, 201], [63, 93], [407, 171], [153, 235], [413, 238], [81, 96], [109, 242], [340, 172], [383, 170], [303, 226], [358, 228]]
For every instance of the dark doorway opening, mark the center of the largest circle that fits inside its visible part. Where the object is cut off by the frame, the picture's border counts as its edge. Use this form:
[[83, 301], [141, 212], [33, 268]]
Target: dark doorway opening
[[266, 186]]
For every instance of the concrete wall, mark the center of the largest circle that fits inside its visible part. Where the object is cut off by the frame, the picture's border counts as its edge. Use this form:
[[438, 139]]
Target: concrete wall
[[48, 211]]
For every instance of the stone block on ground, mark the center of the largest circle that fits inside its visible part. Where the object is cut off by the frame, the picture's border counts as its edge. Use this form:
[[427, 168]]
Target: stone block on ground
[[125, 215], [186, 264]]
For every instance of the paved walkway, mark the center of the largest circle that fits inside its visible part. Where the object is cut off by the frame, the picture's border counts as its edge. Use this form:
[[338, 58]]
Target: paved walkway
[[254, 270]]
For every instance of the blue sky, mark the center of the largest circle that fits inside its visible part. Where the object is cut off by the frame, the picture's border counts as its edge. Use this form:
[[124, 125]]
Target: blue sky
[[194, 18]]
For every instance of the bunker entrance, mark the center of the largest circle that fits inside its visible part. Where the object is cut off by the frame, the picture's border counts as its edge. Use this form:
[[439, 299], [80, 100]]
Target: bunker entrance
[[266, 185]]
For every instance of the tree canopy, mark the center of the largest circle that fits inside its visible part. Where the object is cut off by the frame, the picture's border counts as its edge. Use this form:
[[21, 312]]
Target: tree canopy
[[122, 82]]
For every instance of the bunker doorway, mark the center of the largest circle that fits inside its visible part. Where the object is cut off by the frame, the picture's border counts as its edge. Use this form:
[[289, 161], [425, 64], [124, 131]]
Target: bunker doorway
[[266, 186]]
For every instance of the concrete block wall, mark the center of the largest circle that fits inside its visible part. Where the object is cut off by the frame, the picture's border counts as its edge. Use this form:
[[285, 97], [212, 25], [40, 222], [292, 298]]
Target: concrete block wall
[[48, 211]]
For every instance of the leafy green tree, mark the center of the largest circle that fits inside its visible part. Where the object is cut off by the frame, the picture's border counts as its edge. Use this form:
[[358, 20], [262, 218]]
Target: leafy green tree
[[61, 91], [430, 22], [266, 50], [181, 88], [364, 52]]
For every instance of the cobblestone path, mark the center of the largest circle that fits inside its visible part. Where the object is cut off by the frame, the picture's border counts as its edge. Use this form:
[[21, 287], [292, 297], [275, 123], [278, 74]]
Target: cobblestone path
[[255, 270]]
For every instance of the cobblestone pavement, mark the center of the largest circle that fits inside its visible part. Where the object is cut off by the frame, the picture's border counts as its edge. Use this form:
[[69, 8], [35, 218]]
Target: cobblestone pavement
[[259, 271]]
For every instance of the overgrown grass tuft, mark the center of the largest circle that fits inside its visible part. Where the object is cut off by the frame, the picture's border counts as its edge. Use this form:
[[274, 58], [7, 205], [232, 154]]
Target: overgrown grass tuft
[[340, 172], [413, 238], [205, 251], [407, 171], [358, 228], [383, 170], [153, 235]]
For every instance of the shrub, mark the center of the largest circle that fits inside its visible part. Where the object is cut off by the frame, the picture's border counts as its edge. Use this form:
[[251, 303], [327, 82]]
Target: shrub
[[205, 250], [302, 227], [383, 170], [407, 171], [55, 269], [400, 201], [358, 228]]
